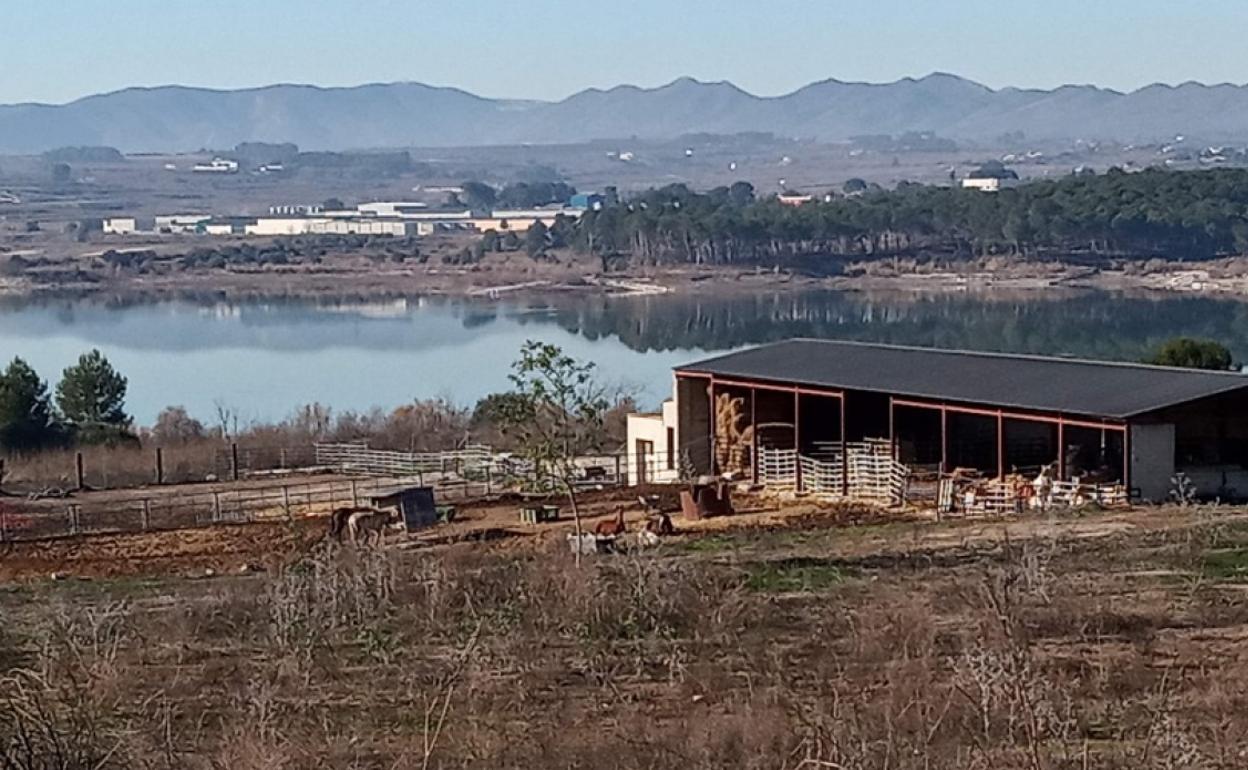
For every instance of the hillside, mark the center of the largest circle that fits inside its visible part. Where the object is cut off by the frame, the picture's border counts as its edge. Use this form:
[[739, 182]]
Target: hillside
[[175, 118]]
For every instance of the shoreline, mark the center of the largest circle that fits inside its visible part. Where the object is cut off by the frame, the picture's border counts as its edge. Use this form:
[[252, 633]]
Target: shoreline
[[1173, 280]]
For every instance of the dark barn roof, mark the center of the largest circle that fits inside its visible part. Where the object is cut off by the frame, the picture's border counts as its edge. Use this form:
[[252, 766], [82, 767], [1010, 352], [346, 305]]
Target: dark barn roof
[[1069, 386]]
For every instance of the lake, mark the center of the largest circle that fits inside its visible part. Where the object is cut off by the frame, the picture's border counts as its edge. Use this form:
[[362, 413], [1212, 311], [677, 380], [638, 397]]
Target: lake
[[264, 357]]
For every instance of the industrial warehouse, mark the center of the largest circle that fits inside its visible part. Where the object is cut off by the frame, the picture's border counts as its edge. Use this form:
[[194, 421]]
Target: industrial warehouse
[[973, 430]]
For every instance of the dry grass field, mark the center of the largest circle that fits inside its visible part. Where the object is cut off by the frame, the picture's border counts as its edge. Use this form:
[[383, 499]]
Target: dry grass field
[[823, 639]]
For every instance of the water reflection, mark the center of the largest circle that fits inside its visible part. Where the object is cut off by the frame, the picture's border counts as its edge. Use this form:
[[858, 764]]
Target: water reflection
[[267, 355]]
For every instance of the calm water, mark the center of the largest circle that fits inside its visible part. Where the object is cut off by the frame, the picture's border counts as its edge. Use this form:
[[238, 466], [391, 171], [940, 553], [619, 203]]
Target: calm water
[[265, 357]]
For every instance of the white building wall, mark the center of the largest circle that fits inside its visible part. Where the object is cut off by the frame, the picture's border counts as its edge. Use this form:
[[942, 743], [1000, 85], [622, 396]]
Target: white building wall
[[662, 464], [282, 226], [121, 226]]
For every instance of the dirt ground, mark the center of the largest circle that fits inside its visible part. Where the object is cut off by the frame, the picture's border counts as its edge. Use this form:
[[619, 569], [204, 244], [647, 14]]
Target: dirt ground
[[222, 549], [832, 636]]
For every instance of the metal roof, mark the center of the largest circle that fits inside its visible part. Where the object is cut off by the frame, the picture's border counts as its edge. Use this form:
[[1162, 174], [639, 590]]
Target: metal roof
[[1062, 385]]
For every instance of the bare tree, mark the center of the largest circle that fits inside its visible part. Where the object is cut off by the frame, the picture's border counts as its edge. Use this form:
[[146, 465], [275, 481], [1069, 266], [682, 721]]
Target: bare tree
[[555, 410]]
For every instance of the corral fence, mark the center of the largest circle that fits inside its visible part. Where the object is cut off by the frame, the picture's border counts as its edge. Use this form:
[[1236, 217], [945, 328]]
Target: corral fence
[[473, 473], [123, 467], [197, 509], [126, 467]]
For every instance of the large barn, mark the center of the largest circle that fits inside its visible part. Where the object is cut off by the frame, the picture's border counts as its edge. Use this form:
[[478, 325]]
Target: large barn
[[797, 412]]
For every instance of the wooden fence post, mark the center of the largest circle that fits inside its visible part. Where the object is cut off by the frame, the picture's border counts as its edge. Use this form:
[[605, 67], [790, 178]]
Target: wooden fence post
[[216, 506], [234, 460], [619, 480], [147, 514], [72, 510], [281, 455], [1, 474], [489, 480], [160, 466], [4, 526], [286, 500], [79, 471]]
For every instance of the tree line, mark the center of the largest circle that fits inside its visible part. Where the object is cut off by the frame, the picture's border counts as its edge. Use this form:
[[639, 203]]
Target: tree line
[[88, 407], [1175, 214]]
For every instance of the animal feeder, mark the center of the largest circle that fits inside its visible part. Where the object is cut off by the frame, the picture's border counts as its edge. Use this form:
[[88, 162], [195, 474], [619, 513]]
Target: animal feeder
[[702, 501]]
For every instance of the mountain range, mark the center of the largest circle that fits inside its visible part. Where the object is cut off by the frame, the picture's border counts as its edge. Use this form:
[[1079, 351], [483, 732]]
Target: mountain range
[[178, 118]]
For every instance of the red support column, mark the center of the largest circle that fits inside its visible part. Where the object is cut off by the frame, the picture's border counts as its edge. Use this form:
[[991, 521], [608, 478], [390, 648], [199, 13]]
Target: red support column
[[1000, 445], [1061, 449], [944, 439]]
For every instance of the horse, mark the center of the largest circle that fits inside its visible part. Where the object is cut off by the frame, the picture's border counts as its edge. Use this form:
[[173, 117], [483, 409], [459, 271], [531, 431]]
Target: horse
[[366, 522], [612, 527], [338, 522]]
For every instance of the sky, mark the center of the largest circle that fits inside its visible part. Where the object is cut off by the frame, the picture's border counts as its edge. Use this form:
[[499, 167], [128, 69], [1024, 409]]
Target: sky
[[58, 50]]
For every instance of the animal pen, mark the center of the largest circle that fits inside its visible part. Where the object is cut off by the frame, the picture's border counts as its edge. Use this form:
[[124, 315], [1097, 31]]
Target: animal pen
[[974, 432]]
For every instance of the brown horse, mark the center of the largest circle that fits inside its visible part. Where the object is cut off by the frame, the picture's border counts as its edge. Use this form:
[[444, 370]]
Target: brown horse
[[612, 527]]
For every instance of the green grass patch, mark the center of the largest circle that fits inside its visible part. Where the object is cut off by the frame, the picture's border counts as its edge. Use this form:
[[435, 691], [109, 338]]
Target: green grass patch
[[1229, 564], [794, 576], [711, 544]]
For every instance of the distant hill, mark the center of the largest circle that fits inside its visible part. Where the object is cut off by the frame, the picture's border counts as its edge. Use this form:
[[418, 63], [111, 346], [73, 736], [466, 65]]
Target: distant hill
[[175, 118]]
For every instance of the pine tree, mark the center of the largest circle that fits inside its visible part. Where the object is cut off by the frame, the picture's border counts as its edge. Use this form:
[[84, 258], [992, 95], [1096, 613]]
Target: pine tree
[[25, 412], [91, 397]]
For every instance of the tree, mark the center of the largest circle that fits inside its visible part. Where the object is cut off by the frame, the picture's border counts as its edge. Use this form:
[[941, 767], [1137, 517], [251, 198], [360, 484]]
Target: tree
[[91, 396], [333, 204], [854, 186], [175, 426], [555, 412], [1191, 354], [479, 196], [535, 239], [26, 420], [741, 193], [61, 173]]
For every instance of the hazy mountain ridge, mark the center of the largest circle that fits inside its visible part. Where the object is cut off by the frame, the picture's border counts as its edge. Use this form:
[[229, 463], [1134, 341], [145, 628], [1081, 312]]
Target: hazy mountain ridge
[[179, 118]]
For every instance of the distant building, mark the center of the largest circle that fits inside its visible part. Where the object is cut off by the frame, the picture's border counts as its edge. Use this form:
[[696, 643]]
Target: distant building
[[222, 228], [216, 166], [274, 226], [179, 223], [520, 220], [989, 184], [587, 201], [392, 208], [121, 226], [285, 226], [990, 177], [297, 210], [793, 199]]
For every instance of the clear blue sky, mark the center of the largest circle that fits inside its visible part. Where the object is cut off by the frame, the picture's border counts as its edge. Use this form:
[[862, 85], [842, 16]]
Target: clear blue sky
[[57, 50]]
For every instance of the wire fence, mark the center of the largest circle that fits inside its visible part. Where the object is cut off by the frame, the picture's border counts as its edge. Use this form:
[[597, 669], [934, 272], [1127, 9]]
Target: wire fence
[[356, 478]]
